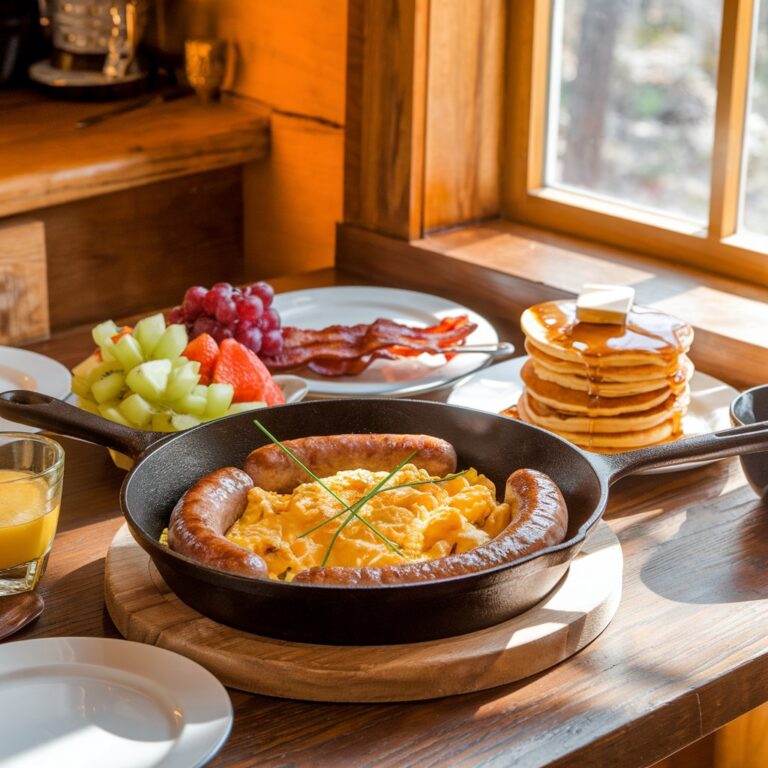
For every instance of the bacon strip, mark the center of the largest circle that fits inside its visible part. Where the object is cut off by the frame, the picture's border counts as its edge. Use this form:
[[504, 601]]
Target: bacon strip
[[347, 350]]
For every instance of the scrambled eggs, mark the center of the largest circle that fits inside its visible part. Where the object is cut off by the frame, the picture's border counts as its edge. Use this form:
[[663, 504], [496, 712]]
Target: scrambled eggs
[[426, 521]]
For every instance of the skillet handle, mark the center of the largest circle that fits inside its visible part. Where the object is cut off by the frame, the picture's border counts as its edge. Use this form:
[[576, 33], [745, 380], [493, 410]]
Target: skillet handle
[[38, 410], [751, 438]]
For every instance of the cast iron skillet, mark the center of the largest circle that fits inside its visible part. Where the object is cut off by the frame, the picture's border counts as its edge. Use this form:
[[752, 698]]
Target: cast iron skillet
[[166, 465]]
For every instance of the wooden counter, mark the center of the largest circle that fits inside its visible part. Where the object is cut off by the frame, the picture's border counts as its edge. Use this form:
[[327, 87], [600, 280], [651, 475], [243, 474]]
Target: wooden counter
[[685, 654]]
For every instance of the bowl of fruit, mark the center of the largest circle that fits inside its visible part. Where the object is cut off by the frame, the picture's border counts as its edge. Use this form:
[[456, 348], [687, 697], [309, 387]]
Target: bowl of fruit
[[171, 376]]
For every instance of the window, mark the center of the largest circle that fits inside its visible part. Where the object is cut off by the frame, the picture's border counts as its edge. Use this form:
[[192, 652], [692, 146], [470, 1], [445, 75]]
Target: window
[[645, 125]]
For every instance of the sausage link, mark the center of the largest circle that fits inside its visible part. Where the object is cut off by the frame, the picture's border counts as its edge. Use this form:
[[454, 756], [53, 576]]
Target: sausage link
[[539, 520], [272, 470], [204, 514]]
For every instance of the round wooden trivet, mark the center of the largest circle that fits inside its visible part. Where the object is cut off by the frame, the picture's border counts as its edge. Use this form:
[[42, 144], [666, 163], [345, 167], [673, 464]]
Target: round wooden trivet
[[144, 609]]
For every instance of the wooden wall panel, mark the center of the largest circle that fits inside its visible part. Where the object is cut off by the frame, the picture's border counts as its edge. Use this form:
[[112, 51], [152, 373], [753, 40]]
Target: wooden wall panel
[[464, 111], [139, 249], [386, 82], [293, 199], [23, 284], [290, 56]]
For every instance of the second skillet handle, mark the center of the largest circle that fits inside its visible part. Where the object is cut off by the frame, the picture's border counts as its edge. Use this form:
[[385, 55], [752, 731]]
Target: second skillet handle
[[45, 412], [750, 438]]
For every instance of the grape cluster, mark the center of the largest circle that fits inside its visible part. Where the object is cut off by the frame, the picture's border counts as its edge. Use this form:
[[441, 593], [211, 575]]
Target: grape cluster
[[227, 312]]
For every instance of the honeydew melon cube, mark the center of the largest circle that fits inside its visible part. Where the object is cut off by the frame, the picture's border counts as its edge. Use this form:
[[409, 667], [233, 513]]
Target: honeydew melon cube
[[103, 332], [148, 332], [219, 399], [161, 422], [128, 352], [137, 410], [149, 379], [111, 411], [104, 369], [171, 344], [88, 405], [243, 407], [201, 390], [182, 421], [84, 368], [80, 386], [109, 387], [183, 379], [191, 403]]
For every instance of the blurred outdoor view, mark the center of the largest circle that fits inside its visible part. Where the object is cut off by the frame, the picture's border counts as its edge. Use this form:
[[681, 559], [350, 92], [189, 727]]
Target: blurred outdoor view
[[634, 83], [756, 191]]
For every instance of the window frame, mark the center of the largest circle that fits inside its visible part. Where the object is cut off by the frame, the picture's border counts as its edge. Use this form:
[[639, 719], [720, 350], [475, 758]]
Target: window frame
[[719, 247]]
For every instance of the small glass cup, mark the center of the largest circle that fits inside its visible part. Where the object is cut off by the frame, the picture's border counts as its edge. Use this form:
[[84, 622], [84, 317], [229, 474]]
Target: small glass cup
[[31, 473]]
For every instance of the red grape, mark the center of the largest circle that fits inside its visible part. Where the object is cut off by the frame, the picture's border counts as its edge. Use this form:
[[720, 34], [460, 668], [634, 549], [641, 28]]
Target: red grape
[[176, 315], [204, 324], [263, 290], [193, 301], [226, 311], [224, 289], [272, 343], [250, 337], [273, 318], [250, 308], [210, 301]]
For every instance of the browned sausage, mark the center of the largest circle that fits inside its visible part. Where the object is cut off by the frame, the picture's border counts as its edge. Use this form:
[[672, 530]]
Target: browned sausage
[[272, 470], [539, 520], [205, 513]]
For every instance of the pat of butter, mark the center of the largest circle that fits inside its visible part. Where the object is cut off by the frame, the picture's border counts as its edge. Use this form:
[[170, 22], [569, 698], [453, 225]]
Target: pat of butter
[[604, 304]]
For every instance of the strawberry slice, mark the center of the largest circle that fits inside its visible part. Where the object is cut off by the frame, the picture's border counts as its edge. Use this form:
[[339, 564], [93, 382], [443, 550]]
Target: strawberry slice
[[205, 351], [239, 366]]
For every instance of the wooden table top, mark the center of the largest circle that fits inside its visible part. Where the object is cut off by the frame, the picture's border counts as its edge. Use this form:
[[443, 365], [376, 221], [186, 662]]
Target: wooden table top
[[686, 652]]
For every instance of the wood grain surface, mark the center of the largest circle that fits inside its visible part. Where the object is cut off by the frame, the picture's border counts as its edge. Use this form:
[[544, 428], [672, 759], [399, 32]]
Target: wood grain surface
[[685, 654], [145, 609], [23, 282], [45, 159], [386, 94], [138, 249], [464, 112]]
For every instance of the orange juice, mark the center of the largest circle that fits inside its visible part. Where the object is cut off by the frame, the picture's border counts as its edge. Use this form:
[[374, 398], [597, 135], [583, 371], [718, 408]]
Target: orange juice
[[27, 521]]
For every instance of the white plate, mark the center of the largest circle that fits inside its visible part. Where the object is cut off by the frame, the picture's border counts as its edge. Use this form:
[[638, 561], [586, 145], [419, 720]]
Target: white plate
[[347, 305], [89, 701], [499, 386], [22, 369]]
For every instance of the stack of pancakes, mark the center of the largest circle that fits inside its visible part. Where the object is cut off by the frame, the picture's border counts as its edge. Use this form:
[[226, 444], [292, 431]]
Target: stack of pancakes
[[605, 387]]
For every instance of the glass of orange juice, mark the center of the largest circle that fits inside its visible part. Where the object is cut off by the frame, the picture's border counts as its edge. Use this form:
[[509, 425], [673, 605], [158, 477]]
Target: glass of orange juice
[[31, 473]]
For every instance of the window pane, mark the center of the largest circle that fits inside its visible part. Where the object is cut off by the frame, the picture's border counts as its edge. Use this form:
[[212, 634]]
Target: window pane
[[632, 101], [756, 193]]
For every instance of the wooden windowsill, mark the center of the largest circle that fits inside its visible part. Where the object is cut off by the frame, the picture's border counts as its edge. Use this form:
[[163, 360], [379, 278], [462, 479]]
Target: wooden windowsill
[[45, 159], [500, 268]]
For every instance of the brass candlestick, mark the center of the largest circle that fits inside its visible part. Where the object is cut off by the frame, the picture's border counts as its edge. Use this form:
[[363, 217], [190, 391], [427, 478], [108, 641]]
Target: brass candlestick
[[205, 65]]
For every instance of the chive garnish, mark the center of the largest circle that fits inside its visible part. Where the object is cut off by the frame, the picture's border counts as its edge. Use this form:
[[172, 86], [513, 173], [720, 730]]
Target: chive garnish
[[353, 510]]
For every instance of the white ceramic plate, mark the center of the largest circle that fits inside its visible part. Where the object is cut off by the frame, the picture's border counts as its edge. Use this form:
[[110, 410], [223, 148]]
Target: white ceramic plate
[[348, 305], [499, 386], [21, 369], [95, 702]]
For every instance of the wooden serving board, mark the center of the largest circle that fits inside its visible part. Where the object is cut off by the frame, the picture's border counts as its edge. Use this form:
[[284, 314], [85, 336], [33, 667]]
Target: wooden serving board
[[575, 613]]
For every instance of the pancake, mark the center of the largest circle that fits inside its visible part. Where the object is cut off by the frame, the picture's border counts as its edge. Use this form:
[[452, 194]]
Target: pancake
[[606, 388], [615, 441], [558, 421], [648, 337], [616, 388], [577, 401], [600, 372]]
